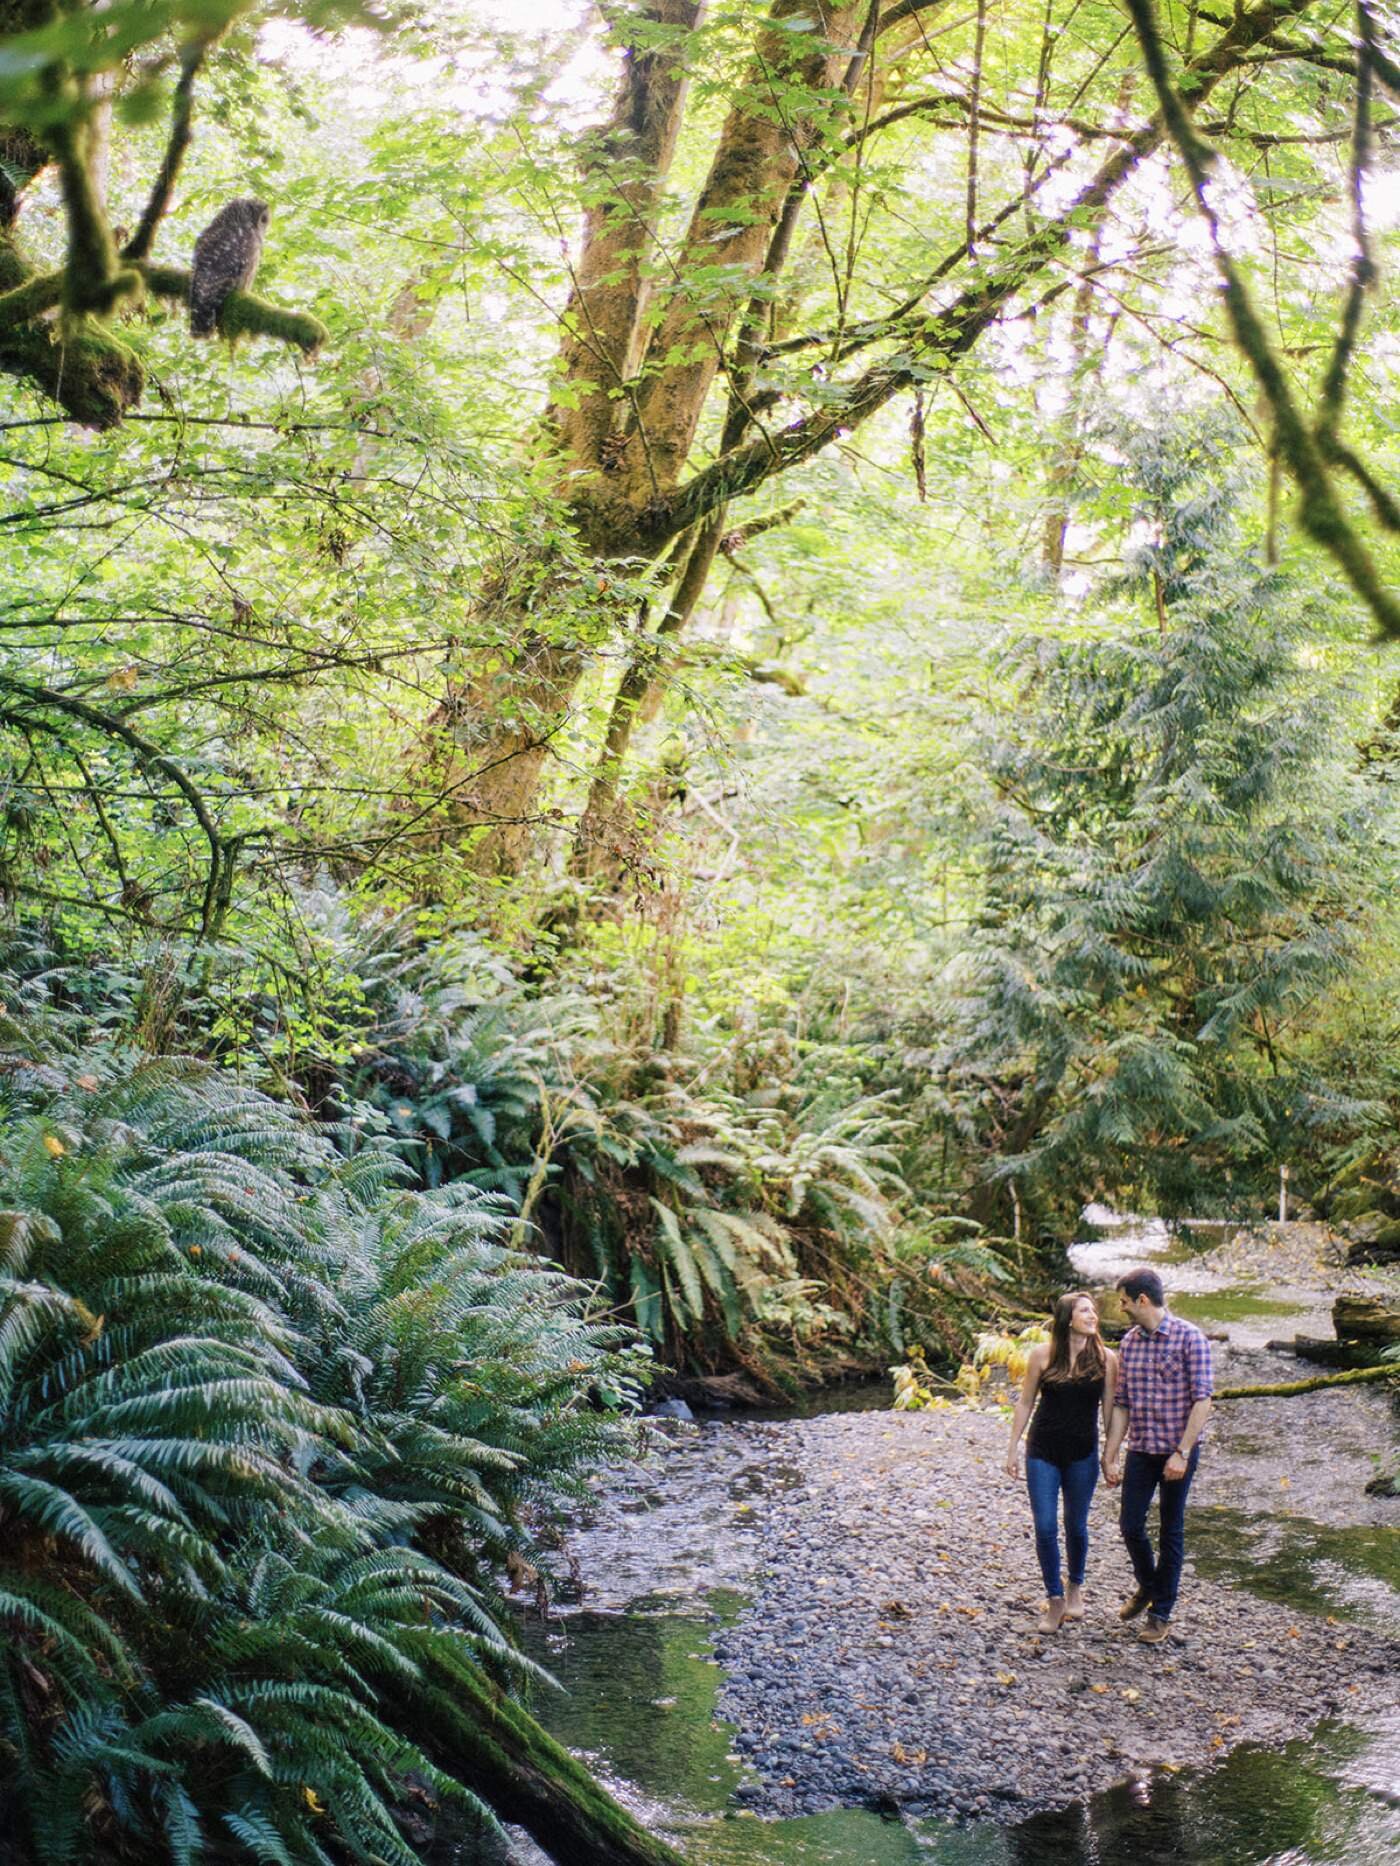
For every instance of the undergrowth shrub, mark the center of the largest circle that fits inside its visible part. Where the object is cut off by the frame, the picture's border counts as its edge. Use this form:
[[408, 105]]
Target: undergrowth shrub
[[739, 1200], [269, 1425]]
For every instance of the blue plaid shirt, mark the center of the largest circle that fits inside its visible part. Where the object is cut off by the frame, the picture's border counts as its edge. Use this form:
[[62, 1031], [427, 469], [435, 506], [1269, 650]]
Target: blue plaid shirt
[[1160, 1378]]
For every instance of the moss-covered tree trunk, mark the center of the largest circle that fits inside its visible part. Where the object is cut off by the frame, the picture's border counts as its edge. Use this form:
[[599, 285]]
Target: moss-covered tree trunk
[[639, 366], [496, 1746]]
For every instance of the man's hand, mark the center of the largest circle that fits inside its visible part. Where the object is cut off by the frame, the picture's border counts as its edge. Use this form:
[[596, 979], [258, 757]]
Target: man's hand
[[1175, 1468], [1111, 1472]]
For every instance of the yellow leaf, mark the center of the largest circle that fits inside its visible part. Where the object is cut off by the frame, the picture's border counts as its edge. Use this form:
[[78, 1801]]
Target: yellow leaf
[[1099, 1688], [53, 1145], [87, 1082], [1132, 1695], [309, 1796], [1006, 1678]]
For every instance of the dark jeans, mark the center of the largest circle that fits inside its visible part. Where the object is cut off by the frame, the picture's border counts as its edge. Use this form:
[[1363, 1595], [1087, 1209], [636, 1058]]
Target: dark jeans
[[1142, 1475], [1045, 1481]]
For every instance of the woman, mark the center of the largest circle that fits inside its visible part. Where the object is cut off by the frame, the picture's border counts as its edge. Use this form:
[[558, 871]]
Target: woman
[[1073, 1377]]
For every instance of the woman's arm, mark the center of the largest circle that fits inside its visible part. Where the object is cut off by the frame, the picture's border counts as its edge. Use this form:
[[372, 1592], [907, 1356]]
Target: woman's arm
[[1025, 1406], [1110, 1387]]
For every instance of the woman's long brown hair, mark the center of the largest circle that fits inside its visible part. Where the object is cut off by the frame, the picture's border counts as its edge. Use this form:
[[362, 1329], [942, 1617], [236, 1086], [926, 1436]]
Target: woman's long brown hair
[[1093, 1364]]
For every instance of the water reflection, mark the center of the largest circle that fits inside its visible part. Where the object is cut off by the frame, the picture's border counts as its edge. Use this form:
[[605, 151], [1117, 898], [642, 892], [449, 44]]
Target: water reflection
[[640, 1706]]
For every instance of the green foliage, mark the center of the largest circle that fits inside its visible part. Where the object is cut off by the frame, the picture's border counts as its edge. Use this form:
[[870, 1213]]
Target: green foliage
[[706, 1206], [269, 1428], [1174, 855]]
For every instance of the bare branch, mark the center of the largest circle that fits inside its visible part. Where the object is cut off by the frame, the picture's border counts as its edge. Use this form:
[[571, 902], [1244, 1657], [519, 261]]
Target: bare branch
[[163, 187]]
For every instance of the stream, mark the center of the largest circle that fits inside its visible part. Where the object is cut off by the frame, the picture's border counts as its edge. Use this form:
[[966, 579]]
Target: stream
[[670, 1562]]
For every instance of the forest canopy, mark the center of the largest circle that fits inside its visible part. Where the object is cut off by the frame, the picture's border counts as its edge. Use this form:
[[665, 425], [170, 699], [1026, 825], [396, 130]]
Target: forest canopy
[[632, 475]]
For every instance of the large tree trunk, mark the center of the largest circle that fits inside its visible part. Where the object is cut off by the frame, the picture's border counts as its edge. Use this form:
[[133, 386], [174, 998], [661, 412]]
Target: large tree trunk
[[593, 849], [625, 429], [637, 388], [524, 1776]]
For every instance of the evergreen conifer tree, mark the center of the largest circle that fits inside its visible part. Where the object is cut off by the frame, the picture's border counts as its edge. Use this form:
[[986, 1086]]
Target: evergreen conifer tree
[[1170, 845]]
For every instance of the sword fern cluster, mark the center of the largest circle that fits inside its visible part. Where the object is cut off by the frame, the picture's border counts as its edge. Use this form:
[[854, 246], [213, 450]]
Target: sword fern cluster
[[269, 1424]]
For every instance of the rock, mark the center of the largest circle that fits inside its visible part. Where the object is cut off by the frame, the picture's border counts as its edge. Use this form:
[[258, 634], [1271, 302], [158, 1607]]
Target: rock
[[1365, 1320], [673, 1409]]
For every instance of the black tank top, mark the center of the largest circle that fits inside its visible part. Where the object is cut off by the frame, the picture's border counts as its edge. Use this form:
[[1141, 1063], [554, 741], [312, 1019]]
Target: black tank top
[[1066, 1423]]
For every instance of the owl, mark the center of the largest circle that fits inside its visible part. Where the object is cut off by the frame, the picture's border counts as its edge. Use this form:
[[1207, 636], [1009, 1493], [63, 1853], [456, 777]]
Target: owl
[[225, 259]]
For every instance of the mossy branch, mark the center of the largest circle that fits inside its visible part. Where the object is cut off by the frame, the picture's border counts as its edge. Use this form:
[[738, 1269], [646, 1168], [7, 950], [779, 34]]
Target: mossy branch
[[92, 279], [1285, 1389], [92, 375], [30, 298], [243, 314]]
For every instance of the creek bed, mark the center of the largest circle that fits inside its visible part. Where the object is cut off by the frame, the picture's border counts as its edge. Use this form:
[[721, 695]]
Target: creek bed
[[719, 1548]]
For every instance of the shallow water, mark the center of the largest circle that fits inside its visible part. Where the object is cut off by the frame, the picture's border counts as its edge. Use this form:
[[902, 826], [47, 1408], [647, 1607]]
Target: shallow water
[[641, 1691]]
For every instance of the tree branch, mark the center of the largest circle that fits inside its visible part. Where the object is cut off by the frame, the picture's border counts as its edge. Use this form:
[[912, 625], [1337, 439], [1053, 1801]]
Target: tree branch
[[1320, 511], [243, 314], [181, 121], [1285, 1389], [149, 757]]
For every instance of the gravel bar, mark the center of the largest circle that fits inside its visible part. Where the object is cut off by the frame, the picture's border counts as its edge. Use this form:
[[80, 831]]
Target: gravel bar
[[890, 1657]]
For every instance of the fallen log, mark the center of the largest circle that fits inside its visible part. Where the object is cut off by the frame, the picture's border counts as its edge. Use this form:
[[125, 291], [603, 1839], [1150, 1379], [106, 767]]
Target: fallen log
[[1350, 1355], [496, 1747], [1365, 1319], [1285, 1388]]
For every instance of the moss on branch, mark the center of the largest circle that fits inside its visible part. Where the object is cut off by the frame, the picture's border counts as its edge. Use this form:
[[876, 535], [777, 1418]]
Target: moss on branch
[[92, 375], [82, 364], [243, 314], [1355, 1376]]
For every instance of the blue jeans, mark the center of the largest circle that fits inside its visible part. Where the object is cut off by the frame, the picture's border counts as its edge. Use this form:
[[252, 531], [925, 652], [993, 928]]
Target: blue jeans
[[1044, 1482], [1142, 1475]]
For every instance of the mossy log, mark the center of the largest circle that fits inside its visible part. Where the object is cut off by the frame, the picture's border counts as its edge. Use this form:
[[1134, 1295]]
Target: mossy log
[[1325, 1352], [495, 1745], [1354, 1376]]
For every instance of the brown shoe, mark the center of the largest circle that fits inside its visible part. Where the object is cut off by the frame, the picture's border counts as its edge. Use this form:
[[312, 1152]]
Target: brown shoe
[[1155, 1631], [1051, 1620], [1135, 1603]]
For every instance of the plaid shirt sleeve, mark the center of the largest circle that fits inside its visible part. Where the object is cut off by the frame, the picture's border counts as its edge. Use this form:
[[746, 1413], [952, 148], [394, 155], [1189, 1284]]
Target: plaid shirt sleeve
[[1200, 1366], [1127, 1362]]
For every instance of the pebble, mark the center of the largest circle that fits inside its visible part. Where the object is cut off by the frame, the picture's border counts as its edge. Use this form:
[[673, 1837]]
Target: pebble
[[931, 1687]]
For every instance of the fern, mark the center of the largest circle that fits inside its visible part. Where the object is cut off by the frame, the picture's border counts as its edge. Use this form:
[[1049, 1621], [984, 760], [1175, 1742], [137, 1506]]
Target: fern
[[261, 1412]]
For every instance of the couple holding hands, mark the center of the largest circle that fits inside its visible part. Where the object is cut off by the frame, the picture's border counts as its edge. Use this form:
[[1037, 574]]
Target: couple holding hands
[[1155, 1392]]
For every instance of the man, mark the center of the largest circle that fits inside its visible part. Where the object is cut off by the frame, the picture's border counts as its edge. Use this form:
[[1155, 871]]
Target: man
[[1165, 1382]]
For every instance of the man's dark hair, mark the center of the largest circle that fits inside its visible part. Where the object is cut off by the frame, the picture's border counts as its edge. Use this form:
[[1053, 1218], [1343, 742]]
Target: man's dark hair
[[1143, 1282]]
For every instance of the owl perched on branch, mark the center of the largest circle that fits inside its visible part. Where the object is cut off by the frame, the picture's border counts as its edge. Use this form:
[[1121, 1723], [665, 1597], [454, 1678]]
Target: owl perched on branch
[[225, 259]]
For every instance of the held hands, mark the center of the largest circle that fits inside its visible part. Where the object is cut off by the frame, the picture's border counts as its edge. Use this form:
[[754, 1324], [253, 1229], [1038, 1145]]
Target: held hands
[[1112, 1473]]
